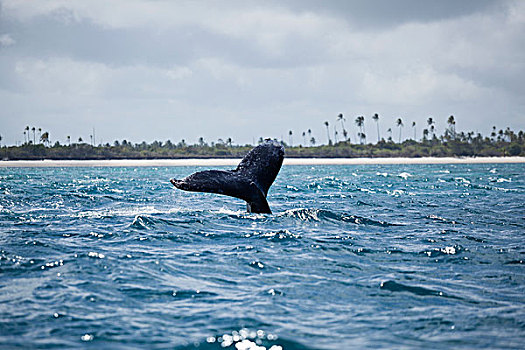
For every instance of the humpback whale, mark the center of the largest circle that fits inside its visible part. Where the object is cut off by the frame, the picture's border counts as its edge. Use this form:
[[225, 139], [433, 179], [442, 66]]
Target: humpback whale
[[250, 181]]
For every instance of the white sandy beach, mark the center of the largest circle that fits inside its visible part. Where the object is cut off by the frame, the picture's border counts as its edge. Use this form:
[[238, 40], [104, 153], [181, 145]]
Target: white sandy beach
[[233, 162]]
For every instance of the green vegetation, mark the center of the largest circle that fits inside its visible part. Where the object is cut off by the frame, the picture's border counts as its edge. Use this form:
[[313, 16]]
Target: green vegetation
[[450, 144]]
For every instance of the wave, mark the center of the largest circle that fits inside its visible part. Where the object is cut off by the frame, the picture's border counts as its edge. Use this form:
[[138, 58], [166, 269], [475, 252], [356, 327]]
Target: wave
[[142, 293], [146, 222], [447, 251], [405, 175], [514, 262], [493, 188], [328, 182], [123, 212], [276, 236], [394, 286], [328, 215], [239, 214], [437, 218]]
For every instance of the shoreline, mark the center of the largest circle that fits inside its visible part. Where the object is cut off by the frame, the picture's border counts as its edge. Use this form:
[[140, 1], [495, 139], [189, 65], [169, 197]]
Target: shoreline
[[234, 161]]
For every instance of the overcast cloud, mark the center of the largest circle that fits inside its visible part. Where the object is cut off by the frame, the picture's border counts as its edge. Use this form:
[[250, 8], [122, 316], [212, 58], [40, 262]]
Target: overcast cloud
[[157, 70]]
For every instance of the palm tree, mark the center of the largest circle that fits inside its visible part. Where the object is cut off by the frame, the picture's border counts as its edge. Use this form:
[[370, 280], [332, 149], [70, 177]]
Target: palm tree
[[328, 132], [26, 133], [375, 117], [335, 134], [452, 125], [39, 134], [430, 123], [312, 141], [33, 129], [290, 133], [342, 120], [425, 134], [45, 138], [500, 135], [0, 141], [362, 136], [414, 127], [470, 136], [69, 140], [399, 124], [509, 134], [80, 140], [357, 122], [360, 121], [304, 138], [229, 141], [24, 136], [389, 134]]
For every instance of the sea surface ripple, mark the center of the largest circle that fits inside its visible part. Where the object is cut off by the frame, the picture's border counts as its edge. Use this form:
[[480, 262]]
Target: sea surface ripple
[[369, 256]]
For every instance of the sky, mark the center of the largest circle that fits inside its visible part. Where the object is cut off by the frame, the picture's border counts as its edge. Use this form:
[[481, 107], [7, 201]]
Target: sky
[[145, 70]]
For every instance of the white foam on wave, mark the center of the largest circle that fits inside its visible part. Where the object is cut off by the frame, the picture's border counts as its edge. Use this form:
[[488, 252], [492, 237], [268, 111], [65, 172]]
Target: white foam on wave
[[134, 211], [229, 211], [239, 213], [449, 250], [395, 193], [89, 181], [405, 175], [463, 180], [301, 213]]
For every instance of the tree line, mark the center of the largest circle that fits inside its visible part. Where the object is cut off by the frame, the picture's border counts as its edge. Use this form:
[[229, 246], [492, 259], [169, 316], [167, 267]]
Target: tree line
[[449, 144], [361, 137]]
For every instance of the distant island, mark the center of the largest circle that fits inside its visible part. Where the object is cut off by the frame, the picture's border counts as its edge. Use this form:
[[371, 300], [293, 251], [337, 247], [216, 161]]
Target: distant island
[[451, 144]]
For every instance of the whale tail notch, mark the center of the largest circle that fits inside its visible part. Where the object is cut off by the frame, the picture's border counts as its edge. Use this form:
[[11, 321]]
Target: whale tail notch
[[250, 181]]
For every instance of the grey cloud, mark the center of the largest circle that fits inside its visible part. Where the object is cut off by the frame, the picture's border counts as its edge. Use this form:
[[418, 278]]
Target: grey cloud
[[84, 40], [6, 40], [260, 69], [378, 14]]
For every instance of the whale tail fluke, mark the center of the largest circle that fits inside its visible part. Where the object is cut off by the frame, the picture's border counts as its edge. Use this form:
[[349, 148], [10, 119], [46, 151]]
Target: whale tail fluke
[[250, 181]]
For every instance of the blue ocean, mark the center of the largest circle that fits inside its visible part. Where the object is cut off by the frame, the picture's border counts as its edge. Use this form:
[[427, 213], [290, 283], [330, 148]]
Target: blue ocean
[[353, 257]]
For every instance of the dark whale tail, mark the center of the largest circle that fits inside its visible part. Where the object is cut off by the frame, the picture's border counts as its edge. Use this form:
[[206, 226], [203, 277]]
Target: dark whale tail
[[250, 181]]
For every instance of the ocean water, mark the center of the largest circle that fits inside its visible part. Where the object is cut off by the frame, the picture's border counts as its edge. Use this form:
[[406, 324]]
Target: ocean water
[[353, 257]]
